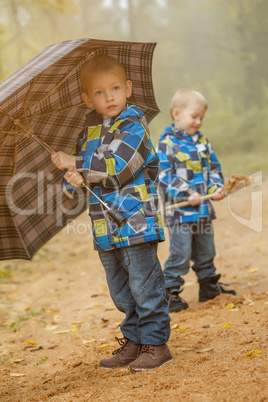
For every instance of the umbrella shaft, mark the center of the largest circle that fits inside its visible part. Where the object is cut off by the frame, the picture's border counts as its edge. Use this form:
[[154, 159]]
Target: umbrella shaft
[[42, 144], [99, 199]]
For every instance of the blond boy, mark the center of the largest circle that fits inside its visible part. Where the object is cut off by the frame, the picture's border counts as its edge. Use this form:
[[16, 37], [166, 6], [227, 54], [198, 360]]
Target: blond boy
[[189, 169]]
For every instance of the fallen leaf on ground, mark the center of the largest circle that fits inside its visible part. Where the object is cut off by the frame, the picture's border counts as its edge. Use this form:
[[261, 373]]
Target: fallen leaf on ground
[[88, 341], [253, 352], [17, 375], [253, 270], [107, 345], [51, 328], [77, 322], [30, 342], [227, 324], [204, 350], [183, 328], [50, 310]]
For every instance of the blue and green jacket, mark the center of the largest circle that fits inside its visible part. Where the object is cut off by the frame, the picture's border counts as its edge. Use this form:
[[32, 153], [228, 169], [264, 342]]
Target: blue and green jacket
[[187, 166], [120, 165]]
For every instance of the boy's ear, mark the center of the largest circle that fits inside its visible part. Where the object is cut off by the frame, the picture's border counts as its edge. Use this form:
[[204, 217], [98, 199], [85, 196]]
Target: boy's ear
[[128, 88], [175, 113], [87, 100]]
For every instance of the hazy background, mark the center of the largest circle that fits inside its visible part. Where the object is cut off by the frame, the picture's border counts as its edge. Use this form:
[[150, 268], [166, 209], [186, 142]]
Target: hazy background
[[218, 47]]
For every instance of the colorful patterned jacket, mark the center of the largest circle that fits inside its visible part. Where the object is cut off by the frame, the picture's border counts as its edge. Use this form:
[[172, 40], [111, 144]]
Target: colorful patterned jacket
[[120, 164], [187, 166]]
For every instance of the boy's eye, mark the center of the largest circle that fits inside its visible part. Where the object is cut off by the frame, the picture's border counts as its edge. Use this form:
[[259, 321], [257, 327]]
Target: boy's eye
[[116, 88], [98, 92]]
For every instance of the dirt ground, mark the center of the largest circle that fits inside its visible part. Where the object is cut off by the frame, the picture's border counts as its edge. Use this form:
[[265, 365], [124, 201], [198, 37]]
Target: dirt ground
[[57, 321]]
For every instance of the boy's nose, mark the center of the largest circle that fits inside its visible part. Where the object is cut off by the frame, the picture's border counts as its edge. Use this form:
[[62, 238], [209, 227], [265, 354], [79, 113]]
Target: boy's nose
[[109, 96]]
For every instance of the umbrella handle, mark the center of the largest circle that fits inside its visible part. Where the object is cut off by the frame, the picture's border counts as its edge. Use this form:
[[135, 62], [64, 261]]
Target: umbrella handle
[[117, 217]]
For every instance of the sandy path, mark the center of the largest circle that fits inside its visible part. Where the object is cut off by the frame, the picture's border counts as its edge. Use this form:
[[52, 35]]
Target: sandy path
[[57, 321]]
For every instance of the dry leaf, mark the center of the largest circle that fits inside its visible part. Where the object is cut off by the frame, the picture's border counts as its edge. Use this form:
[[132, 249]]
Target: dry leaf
[[30, 342], [17, 375], [50, 310], [230, 306], [18, 360], [174, 326], [183, 328], [64, 331], [107, 345], [253, 352], [88, 341], [50, 328], [253, 270], [204, 350], [77, 322], [227, 324]]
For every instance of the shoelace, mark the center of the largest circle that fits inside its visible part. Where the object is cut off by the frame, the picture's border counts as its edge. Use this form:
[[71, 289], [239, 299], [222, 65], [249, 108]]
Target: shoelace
[[123, 342], [147, 349]]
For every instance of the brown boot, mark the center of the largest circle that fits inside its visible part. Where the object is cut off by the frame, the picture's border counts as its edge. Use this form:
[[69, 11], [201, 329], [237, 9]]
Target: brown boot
[[122, 356], [151, 357]]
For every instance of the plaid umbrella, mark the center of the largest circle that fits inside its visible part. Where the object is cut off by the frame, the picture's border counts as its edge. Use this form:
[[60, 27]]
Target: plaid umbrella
[[41, 104]]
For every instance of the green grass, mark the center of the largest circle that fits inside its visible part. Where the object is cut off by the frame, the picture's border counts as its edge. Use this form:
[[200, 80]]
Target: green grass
[[17, 323]]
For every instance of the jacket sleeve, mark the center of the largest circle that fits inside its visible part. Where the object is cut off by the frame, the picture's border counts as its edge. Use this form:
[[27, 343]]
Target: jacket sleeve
[[215, 177], [170, 184], [117, 162]]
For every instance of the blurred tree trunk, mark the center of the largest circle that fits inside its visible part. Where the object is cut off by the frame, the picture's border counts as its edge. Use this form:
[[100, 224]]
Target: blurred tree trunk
[[131, 21]]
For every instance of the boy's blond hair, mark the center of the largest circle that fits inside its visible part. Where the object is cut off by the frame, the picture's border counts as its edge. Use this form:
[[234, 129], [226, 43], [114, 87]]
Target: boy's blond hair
[[184, 96], [99, 63]]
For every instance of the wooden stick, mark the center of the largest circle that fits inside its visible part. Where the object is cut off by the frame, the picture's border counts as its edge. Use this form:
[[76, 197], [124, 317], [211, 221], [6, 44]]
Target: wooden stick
[[186, 203], [234, 183]]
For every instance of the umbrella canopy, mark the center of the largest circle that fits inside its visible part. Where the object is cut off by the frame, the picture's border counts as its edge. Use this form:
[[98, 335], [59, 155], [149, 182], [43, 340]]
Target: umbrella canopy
[[41, 103]]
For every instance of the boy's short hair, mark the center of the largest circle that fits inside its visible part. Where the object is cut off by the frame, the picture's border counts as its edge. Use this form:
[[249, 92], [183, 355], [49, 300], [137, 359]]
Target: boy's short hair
[[99, 63], [184, 96]]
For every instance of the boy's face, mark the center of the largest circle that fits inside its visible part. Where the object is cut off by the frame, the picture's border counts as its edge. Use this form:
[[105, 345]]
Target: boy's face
[[190, 118], [107, 93]]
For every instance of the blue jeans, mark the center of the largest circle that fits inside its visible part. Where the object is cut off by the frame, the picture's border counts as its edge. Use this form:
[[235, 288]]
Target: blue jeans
[[189, 241], [137, 287]]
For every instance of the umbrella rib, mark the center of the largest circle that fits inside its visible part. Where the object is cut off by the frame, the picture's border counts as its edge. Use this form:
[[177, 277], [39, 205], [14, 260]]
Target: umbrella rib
[[15, 156], [29, 134], [56, 111], [62, 81], [25, 101]]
